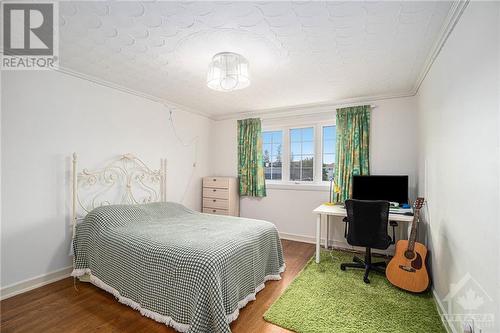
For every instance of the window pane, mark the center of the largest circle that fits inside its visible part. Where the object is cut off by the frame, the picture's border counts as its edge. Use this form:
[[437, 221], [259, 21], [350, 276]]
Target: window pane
[[266, 149], [307, 161], [295, 148], [328, 156], [276, 173], [307, 134], [294, 173], [271, 152], [295, 158], [302, 154], [277, 135], [277, 150], [307, 174], [308, 148], [327, 172], [295, 135], [328, 159], [267, 172], [328, 166], [328, 146], [267, 137], [329, 133]]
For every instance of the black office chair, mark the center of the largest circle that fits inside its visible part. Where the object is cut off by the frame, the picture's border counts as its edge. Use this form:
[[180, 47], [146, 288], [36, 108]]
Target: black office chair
[[366, 225]]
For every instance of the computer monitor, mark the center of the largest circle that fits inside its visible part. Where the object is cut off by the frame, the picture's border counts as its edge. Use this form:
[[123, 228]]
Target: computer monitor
[[390, 188]]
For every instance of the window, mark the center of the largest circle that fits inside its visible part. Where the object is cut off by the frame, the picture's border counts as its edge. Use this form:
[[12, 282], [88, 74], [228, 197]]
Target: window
[[271, 146], [328, 152], [302, 154]]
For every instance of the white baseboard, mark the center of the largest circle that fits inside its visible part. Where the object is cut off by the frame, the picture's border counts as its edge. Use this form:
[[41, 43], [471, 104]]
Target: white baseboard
[[331, 242], [33, 283], [44, 279], [299, 238], [439, 305], [312, 240]]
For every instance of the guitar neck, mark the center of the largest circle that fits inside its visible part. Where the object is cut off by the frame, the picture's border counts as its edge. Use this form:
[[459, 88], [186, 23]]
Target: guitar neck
[[413, 233]]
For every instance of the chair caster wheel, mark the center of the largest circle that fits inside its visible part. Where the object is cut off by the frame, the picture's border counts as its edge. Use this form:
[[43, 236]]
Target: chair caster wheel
[[342, 267], [366, 280]]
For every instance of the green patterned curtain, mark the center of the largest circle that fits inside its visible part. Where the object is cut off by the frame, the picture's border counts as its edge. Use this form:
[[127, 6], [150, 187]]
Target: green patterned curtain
[[353, 140], [250, 163]]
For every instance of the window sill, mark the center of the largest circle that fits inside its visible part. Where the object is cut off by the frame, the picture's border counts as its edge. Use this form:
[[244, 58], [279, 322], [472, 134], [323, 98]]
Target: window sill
[[290, 186]]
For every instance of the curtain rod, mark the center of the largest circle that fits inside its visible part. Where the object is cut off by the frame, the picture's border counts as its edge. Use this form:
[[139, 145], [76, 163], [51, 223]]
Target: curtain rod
[[297, 111], [300, 113]]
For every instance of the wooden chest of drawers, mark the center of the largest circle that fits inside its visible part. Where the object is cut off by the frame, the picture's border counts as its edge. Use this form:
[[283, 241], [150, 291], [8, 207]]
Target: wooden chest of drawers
[[220, 196]]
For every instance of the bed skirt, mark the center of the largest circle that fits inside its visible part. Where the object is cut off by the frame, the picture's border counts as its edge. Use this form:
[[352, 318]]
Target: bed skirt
[[82, 274]]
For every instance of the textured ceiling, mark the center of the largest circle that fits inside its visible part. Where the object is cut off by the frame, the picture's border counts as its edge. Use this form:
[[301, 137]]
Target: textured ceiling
[[299, 52]]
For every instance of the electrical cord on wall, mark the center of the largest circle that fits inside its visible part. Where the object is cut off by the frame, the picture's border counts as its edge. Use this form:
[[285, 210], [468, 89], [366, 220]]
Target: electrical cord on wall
[[194, 142]]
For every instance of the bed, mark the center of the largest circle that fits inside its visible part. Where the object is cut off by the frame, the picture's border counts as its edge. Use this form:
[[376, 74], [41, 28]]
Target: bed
[[189, 270]]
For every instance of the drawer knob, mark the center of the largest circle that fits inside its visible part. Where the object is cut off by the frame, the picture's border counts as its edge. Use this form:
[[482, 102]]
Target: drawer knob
[[213, 210], [214, 179], [214, 190], [215, 200]]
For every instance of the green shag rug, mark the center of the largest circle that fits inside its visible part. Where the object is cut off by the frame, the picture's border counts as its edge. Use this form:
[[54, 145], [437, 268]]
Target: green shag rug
[[325, 299]]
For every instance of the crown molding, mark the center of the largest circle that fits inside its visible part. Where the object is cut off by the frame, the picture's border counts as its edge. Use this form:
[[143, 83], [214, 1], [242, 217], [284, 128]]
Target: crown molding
[[313, 108], [124, 89], [279, 112], [454, 15]]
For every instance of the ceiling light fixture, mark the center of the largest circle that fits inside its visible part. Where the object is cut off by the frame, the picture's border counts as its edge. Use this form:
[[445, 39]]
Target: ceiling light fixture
[[228, 71]]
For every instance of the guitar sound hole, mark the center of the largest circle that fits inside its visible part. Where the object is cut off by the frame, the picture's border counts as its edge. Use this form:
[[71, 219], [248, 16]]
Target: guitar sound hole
[[409, 254]]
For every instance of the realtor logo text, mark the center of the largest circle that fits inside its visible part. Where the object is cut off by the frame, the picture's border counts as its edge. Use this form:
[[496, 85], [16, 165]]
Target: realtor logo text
[[29, 36]]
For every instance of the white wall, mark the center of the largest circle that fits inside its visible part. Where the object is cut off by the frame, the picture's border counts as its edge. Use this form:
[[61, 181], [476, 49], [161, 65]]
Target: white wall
[[459, 158], [392, 151], [48, 115]]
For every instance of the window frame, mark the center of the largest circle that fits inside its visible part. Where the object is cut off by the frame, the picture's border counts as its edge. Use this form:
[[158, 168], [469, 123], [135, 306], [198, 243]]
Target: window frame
[[289, 129], [271, 181], [285, 181], [274, 129], [321, 152]]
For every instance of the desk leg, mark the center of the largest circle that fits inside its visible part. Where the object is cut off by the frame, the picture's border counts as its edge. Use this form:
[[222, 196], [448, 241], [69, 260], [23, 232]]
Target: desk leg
[[327, 217], [318, 237]]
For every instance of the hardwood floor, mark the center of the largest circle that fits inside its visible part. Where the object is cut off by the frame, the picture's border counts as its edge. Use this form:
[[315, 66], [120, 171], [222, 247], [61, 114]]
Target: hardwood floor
[[58, 307]]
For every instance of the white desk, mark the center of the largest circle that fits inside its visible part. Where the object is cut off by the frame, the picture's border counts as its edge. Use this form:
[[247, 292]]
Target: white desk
[[337, 210]]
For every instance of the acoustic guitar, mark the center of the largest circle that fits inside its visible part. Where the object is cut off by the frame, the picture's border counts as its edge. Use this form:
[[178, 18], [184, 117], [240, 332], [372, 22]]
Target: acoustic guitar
[[407, 269]]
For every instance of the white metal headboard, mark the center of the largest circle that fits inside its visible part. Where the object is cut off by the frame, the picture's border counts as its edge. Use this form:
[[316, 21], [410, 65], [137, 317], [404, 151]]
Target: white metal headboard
[[125, 180]]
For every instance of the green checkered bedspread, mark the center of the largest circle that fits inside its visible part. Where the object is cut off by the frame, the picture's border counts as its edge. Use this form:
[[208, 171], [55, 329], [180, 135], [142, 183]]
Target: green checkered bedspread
[[189, 270]]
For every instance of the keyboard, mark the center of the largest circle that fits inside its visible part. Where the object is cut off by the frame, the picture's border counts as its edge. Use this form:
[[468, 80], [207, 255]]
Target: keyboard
[[402, 211]]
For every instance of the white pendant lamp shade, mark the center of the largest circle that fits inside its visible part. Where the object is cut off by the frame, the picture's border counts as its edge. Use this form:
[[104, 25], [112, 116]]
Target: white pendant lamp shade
[[228, 71]]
